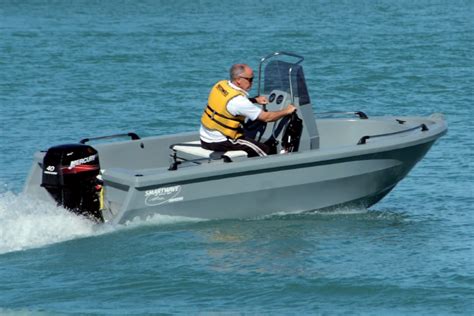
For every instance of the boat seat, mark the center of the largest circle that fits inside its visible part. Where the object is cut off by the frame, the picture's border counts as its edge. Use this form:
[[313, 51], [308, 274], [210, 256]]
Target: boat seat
[[194, 153], [194, 148]]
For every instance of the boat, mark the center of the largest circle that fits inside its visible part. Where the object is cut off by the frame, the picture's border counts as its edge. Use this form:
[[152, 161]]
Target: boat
[[335, 159]]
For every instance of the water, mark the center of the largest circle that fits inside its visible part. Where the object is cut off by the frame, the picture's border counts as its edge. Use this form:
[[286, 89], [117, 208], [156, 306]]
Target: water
[[70, 70]]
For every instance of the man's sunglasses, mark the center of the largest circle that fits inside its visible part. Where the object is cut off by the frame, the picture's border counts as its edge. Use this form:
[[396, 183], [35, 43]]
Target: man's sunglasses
[[248, 79]]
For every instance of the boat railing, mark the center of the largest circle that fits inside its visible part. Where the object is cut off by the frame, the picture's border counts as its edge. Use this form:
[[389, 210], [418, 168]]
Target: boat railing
[[133, 136], [360, 114], [363, 139]]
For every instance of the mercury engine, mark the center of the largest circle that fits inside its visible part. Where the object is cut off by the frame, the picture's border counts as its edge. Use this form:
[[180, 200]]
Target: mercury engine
[[70, 176]]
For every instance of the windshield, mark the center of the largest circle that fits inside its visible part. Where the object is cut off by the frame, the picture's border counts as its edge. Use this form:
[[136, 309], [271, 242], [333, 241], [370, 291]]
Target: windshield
[[276, 76]]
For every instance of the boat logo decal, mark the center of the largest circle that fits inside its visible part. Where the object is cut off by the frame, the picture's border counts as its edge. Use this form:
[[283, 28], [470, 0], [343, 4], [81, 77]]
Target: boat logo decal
[[82, 161], [163, 195]]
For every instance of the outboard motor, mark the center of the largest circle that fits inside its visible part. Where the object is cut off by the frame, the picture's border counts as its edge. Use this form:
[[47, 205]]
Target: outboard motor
[[70, 176]]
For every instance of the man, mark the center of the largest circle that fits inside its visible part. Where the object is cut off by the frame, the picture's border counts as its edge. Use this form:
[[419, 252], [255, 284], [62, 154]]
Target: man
[[228, 106]]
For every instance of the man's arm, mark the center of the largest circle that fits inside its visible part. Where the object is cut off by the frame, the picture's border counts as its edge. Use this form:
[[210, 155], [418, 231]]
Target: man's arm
[[276, 115], [262, 100]]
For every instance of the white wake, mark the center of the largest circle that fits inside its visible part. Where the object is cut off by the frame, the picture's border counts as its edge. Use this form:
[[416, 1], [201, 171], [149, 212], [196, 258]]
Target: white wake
[[27, 223]]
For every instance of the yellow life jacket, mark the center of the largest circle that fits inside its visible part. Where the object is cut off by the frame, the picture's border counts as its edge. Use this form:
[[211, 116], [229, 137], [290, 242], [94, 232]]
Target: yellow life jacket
[[216, 117]]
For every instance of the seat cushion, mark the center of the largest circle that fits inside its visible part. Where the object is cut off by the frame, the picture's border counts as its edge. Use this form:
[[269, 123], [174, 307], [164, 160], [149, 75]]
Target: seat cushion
[[194, 148]]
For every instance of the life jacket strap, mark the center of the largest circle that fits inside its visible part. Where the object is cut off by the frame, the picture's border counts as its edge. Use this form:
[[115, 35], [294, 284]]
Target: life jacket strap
[[211, 116], [214, 112]]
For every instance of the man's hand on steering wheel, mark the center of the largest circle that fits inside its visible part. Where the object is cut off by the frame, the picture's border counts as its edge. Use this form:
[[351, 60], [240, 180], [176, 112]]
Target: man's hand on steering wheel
[[290, 108]]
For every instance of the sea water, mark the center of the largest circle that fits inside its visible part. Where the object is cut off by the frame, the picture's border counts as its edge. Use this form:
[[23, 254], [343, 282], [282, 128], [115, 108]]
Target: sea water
[[76, 69]]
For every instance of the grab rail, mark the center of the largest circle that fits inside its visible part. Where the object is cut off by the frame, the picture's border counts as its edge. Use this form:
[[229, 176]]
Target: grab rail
[[360, 114], [133, 136], [363, 139]]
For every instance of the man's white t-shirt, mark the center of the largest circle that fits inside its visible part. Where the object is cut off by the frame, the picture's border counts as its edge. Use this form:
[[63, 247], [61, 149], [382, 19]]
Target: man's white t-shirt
[[240, 105]]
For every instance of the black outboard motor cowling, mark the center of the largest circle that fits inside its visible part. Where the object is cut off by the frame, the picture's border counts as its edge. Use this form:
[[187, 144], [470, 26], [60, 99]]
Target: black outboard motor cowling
[[70, 176]]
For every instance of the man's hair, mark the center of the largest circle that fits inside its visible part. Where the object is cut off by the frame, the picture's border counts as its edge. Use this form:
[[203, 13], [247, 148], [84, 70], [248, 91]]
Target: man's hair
[[236, 70]]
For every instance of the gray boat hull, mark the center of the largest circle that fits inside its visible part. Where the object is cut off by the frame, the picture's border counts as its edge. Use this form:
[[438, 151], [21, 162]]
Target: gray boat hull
[[339, 162], [137, 182], [353, 181]]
